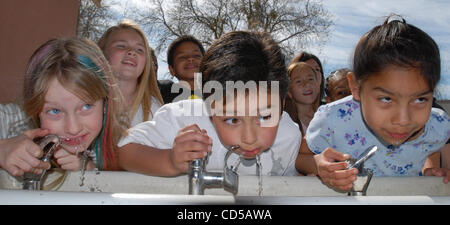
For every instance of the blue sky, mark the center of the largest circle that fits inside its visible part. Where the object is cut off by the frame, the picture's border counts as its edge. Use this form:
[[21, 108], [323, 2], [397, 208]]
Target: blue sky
[[353, 18]]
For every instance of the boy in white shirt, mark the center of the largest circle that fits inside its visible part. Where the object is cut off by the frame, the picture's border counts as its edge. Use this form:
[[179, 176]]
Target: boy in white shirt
[[248, 75]]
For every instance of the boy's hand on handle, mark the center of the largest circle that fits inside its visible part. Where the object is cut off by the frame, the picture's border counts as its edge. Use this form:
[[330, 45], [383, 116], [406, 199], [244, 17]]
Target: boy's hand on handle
[[331, 168], [190, 143], [20, 154], [438, 172]]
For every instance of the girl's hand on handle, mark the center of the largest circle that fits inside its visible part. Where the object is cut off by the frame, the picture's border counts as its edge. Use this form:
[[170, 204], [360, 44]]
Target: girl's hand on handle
[[20, 154], [67, 160], [438, 172], [190, 143], [331, 168]]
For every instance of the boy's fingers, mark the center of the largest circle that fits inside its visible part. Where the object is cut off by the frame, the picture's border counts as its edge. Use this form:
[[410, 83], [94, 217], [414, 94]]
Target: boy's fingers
[[192, 135], [195, 155], [191, 127], [193, 146]]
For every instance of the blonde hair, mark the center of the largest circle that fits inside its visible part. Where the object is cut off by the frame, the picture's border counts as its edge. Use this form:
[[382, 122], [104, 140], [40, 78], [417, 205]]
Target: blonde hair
[[302, 66], [147, 85], [79, 65]]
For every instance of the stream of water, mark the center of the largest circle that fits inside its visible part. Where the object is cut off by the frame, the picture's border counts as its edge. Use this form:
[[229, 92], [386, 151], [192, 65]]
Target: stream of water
[[259, 173]]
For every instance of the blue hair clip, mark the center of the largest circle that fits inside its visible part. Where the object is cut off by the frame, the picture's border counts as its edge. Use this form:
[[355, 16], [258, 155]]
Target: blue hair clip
[[87, 62]]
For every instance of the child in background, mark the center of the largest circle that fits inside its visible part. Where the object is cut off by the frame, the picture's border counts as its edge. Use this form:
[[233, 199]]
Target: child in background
[[154, 61], [183, 57], [312, 60], [128, 53], [396, 69], [336, 85], [191, 129], [315, 63], [304, 91], [69, 91]]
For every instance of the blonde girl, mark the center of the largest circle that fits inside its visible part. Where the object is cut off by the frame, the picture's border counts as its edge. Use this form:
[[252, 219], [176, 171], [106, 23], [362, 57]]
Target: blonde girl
[[69, 90], [304, 94], [128, 53]]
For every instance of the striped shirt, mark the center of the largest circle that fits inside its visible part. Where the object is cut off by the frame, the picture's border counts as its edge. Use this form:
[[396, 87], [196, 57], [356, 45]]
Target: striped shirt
[[13, 120]]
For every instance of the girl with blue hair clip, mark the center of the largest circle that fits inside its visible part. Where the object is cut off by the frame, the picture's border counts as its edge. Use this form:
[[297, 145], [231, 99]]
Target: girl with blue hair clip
[[69, 91]]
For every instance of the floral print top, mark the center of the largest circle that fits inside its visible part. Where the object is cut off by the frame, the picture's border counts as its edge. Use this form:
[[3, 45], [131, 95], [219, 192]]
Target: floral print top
[[339, 125]]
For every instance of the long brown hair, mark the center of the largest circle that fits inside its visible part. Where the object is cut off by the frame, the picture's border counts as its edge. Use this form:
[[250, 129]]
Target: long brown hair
[[81, 68]]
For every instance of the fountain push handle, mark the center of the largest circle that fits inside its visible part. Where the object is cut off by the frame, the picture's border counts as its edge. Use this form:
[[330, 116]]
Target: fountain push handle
[[48, 144], [364, 175], [231, 178], [199, 178]]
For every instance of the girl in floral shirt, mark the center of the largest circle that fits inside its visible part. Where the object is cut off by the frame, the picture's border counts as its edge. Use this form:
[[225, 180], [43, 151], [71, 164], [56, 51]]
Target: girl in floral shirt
[[396, 68]]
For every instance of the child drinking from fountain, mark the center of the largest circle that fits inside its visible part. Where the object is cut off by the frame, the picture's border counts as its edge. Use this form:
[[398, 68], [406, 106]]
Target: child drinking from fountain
[[248, 75], [69, 91], [128, 53], [336, 85], [396, 69], [304, 93]]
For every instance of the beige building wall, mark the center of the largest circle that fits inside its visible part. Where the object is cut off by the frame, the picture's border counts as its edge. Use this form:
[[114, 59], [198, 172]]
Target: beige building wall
[[26, 24]]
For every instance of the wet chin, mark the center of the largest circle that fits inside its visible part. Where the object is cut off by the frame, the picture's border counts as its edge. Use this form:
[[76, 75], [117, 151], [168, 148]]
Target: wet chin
[[247, 155], [75, 148]]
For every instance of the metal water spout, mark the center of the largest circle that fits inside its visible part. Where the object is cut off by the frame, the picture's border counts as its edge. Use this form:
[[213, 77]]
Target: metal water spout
[[48, 144], [200, 179], [364, 175]]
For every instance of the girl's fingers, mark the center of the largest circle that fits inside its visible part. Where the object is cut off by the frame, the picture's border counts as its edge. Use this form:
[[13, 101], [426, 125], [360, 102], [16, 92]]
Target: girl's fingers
[[67, 160], [332, 155], [61, 153], [34, 133], [334, 166], [343, 174], [15, 171], [32, 149], [344, 187], [23, 165]]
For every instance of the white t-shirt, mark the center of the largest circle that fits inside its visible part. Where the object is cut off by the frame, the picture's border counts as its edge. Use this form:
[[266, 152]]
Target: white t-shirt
[[160, 133], [139, 116]]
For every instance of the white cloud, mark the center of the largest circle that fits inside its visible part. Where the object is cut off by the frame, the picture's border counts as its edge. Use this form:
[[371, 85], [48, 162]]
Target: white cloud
[[353, 18]]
